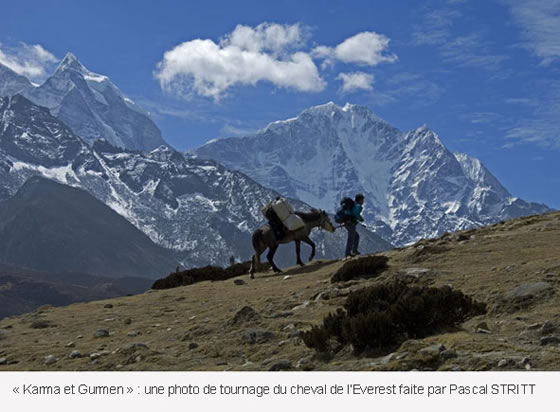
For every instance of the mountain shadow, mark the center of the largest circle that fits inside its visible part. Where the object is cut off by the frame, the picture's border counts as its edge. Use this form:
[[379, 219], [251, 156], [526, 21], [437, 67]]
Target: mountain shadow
[[24, 290], [51, 227]]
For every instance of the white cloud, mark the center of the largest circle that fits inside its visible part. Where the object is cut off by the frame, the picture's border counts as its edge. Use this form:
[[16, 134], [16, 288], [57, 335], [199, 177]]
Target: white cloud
[[273, 53], [417, 91], [366, 48], [231, 130], [526, 101], [31, 61], [540, 20], [276, 38], [352, 82], [435, 27], [541, 126], [244, 57], [472, 51], [482, 117]]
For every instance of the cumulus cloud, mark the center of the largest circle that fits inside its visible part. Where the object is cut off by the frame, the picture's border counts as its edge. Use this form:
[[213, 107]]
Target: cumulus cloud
[[275, 38], [269, 52], [352, 82], [366, 48], [540, 20], [31, 61], [245, 57]]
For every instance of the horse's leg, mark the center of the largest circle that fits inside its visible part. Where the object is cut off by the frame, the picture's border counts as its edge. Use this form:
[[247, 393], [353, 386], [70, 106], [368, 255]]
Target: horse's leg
[[298, 248], [270, 255], [312, 244], [259, 247], [252, 269], [255, 263]]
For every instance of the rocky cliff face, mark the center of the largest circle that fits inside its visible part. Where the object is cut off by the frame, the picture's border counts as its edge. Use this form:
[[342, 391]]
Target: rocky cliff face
[[414, 186]]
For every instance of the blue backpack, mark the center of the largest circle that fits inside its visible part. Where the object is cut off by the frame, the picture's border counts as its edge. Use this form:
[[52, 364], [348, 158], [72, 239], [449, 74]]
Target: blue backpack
[[346, 204]]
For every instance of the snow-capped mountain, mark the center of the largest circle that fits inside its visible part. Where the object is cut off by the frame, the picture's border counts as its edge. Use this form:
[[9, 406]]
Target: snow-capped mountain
[[89, 103], [12, 83], [414, 186], [196, 207]]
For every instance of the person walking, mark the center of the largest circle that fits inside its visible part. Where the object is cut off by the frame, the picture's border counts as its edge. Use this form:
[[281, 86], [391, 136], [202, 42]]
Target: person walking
[[354, 215]]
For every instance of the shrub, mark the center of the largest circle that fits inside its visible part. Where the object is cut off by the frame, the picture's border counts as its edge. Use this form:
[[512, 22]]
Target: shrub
[[381, 317], [367, 266], [424, 252], [317, 337], [212, 273]]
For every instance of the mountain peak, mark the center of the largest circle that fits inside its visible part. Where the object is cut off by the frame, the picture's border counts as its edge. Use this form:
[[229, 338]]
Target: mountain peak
[[349, 109], [362, 111], [326, 108], [71, 62], [425, 134], [93, 107]]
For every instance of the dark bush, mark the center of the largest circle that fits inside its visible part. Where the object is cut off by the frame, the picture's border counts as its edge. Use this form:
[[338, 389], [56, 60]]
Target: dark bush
[[381, 317], [367, 266], [237, 269], [424, 252], [318, 338], [41, 324], [333, 323], [246, 314], [212, 273]]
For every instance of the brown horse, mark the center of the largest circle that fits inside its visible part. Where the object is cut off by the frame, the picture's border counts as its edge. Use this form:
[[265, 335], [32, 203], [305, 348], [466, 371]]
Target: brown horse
[[264, 238]]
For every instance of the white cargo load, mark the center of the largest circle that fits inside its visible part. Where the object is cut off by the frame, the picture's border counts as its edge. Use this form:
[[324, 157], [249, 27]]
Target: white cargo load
[[282, 209], [293, 222], [285, 213]]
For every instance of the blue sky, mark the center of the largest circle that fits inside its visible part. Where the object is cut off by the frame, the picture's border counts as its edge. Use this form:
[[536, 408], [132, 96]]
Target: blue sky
[[484, 75]]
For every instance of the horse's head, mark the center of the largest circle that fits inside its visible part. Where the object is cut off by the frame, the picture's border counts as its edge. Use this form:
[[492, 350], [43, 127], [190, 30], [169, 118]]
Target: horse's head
[[326, 222]]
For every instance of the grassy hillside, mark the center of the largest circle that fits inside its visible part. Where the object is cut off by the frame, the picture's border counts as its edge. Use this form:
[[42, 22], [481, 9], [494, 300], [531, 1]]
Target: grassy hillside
[[512, 268]]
